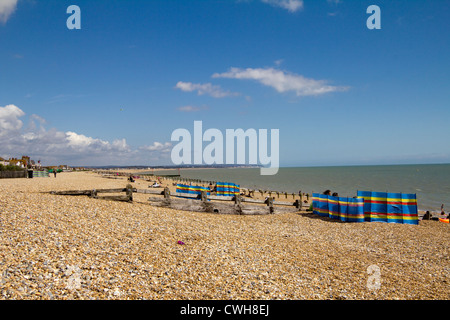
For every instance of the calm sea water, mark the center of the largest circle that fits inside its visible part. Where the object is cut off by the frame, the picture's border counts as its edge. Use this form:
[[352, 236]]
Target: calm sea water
[[430, 182]]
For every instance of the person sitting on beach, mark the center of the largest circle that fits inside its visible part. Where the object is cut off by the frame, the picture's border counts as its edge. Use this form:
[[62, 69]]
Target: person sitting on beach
[[131, 179], [156, 185], [335, 194], [327, 192]]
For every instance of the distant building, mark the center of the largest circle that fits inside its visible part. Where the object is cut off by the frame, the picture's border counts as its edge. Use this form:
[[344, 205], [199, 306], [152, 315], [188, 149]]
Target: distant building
[[17, 162], [26, 161], [4, 162]]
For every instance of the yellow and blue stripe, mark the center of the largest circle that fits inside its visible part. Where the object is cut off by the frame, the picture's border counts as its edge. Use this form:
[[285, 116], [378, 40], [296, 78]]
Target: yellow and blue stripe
[[390, 207], [227, 189]]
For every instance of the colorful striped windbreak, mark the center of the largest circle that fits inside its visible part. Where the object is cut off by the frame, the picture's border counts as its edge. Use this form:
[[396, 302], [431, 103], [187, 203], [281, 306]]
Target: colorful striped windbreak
[[40, 174], [227, 189], [341, 208], [390, 207], [182, 188]]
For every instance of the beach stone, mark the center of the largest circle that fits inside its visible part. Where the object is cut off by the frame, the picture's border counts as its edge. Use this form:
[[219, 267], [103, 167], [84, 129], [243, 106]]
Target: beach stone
[[85, 248]]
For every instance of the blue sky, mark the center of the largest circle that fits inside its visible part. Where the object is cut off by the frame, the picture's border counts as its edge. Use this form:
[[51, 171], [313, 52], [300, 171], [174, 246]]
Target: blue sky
[[114, 91]]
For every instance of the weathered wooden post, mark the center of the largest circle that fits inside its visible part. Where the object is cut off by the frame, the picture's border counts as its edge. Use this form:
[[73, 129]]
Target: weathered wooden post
[[204, 196], [166, 193], [298, 204], [129, 192], [237, 203], [270, 204], [285, 194]]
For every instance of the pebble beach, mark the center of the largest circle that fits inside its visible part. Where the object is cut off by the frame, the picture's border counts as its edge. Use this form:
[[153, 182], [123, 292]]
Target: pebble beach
[[56, 247]]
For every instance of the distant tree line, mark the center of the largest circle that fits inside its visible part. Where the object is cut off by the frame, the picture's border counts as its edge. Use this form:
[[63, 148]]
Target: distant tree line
[[10, 168]]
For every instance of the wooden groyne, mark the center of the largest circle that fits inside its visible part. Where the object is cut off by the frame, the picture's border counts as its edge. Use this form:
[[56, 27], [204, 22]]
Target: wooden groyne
[[175, 179], [223, 204], [188, 202]]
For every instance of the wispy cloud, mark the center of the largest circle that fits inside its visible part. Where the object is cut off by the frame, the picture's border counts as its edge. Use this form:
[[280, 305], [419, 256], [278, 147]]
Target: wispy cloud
[[7, 8], [290, 5], [334, 2], [158, 146], [64, 97], [191, 109], [278, 62], [282, 81], [214, 91]]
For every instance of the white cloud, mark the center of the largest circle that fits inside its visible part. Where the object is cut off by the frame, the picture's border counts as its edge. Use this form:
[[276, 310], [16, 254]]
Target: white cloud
[[7, 7], [206, 88], [57, 147], [290, 5], [158, 146], [281, 81], [9, 119]]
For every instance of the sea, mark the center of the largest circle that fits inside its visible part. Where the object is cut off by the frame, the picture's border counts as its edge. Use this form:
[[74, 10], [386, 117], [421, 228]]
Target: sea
[[430, 182]]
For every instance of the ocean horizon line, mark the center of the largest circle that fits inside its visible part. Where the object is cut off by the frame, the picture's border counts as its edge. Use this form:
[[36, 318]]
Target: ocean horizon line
[[256, 166]]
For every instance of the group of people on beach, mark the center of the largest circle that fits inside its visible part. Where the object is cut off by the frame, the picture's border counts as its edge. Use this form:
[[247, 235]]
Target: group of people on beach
[[156, 184], [328, 193]]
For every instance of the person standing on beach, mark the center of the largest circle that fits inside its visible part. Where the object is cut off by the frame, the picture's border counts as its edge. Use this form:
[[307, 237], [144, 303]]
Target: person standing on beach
[[442, 209], [54, 172]]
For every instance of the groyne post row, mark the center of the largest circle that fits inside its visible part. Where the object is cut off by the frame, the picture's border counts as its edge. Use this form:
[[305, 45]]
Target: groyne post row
[[179, 179], [16, 174], [223, 204], [191, 202], [94, 193]]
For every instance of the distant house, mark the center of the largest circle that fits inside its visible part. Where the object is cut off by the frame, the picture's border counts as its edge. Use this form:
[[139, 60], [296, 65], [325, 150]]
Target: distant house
[[4, 162], [64, 167], [26, 161], [17, 162]]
